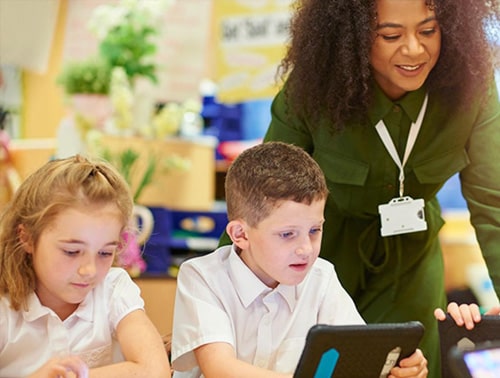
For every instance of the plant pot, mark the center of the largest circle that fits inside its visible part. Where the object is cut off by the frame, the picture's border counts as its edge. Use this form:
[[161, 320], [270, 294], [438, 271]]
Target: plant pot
[[94, 108]]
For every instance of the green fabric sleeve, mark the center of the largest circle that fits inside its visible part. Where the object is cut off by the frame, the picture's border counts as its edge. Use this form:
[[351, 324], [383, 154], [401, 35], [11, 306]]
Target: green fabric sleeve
[[481, 183]]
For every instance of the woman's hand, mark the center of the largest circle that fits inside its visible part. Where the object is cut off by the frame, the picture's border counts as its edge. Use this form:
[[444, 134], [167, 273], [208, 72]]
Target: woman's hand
[[63, 367], [465, 314]]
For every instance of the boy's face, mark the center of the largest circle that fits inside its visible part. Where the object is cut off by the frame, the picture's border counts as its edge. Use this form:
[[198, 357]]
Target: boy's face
[[284, 246], [74, 254]]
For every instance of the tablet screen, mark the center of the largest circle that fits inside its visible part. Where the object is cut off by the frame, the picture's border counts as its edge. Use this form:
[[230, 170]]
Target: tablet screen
[[483, 363], [457, 338]]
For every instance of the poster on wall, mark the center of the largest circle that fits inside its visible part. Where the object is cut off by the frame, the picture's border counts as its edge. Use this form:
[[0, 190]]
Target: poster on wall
[[250, 41]]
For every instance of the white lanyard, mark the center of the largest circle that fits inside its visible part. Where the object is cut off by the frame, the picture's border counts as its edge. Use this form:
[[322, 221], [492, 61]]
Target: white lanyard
[[412, 137]]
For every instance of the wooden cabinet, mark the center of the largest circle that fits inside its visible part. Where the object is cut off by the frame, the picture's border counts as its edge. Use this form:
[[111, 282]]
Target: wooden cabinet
[[158, 293]]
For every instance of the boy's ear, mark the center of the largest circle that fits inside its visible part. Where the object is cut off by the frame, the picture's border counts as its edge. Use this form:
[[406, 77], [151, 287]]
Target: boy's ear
[[25, 238], [236, 231]]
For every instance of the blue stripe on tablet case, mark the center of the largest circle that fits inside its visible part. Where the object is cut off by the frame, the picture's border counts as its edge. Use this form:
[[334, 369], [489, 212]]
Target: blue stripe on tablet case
[[327, 364]]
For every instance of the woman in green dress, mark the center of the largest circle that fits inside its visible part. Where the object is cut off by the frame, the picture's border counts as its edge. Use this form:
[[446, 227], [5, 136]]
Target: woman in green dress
[[358, 75]]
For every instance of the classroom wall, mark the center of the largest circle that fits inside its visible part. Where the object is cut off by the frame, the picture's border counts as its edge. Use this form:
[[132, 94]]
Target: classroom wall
[[42, 105], [183, 54]]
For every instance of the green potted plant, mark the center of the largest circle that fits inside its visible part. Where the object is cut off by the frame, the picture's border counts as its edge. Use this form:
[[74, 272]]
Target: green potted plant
[[127, 33], [126, 162], [90, 76], [86, 84], [132, 48]]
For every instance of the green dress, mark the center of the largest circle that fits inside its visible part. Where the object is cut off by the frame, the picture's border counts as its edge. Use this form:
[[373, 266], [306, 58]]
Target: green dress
[[400, 278]]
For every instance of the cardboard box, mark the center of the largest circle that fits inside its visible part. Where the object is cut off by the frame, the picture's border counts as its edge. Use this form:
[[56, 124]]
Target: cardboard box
[[460, 249], [192, 188], [30, 154]]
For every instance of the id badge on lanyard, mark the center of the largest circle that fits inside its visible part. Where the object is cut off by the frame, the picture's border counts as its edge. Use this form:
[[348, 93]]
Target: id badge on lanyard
[[402, 214]]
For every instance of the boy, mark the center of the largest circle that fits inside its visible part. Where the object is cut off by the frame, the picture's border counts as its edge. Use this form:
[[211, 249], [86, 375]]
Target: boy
[[245, 309]]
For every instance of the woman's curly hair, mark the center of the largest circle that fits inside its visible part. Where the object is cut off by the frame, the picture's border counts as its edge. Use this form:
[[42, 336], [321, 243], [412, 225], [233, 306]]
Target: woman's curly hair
[[327, 65]]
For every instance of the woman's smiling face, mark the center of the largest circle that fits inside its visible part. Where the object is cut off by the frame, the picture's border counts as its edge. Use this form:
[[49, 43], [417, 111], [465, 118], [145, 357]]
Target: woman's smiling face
[[406, 46]]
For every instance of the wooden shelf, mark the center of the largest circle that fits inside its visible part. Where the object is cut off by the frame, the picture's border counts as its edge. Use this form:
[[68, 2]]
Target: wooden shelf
[[158, 292]]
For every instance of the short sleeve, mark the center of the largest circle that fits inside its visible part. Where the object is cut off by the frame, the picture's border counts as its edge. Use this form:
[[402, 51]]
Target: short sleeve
[[199, 317], [124, 295], [481, 184]]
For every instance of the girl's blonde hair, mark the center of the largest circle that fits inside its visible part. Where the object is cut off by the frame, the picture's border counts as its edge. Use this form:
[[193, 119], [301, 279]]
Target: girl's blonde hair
[[75, 182]]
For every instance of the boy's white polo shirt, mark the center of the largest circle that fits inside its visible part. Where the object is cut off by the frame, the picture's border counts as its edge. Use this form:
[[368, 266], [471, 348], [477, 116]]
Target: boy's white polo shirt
[[219, 299]]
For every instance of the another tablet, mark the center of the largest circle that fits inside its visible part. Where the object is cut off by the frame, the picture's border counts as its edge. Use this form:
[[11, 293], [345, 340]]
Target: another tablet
[[451, 335], [483, 361], [357, 351]]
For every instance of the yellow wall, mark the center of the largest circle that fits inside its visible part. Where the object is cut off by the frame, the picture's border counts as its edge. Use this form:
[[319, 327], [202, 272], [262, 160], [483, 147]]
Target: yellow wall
[[43, 106]]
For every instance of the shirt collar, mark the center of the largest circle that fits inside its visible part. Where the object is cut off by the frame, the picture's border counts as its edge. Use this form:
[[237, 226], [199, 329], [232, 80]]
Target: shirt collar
[[249, 287], [36, 310], [382, 105]]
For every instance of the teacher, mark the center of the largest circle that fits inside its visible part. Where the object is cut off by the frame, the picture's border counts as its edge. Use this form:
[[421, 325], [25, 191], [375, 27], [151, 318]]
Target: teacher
[[392, 98]]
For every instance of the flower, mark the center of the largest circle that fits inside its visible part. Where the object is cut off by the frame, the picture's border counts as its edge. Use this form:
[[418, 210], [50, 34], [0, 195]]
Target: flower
[[131, 258], [167, 121], [122, 99], [126, 32], [173, 117]]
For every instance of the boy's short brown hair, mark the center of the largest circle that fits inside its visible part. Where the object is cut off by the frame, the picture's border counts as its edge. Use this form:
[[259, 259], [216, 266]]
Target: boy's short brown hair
[[268, 173]]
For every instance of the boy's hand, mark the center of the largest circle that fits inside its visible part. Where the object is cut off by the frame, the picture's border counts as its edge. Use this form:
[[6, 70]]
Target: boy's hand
[[414, 366], [64, 367]]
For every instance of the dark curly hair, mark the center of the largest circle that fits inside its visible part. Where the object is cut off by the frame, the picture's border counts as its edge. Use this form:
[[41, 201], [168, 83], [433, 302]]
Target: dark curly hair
[[327, 64]]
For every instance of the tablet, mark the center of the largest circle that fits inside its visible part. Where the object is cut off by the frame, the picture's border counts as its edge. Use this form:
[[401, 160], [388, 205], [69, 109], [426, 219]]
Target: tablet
[[483, 361], [451, 335], [357, 351]]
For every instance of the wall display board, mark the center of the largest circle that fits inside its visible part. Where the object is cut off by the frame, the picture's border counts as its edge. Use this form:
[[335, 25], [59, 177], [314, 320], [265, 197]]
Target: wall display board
[[250, 39]]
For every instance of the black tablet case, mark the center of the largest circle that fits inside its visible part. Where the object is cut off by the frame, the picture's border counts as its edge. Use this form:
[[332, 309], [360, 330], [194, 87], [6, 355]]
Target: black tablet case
[[450, 334], [362, 349], [459, 367]]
